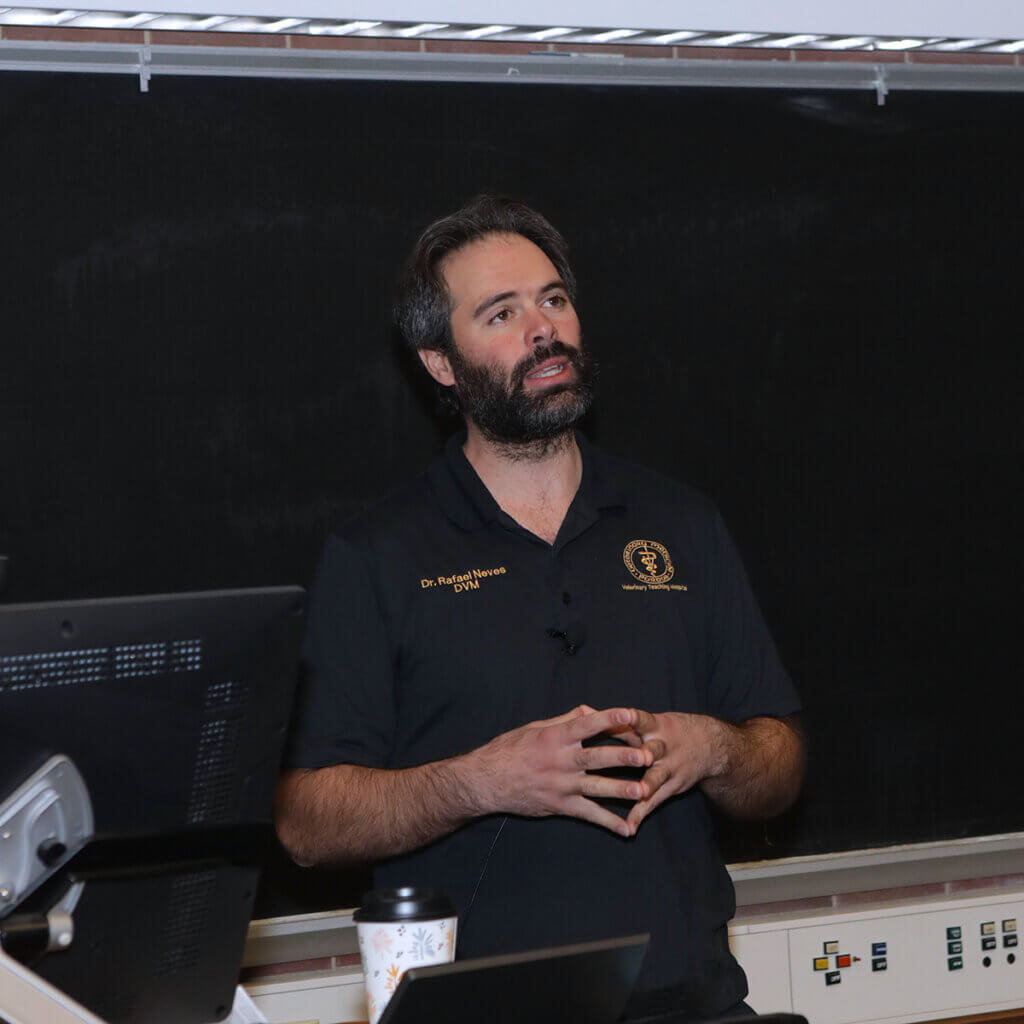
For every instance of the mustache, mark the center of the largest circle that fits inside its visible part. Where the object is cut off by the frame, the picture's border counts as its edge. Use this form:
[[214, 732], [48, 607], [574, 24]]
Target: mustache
[[538, 355]]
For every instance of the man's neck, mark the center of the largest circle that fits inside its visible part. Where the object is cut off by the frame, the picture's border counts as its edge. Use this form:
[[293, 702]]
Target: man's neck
[[534, 484]]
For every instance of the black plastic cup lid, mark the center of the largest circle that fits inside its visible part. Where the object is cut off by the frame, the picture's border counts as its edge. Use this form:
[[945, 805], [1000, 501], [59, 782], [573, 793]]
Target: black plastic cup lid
[[405, 903]]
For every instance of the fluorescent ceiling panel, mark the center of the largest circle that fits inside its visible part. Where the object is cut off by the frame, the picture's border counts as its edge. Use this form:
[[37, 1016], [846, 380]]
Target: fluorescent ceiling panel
[[993, 19]]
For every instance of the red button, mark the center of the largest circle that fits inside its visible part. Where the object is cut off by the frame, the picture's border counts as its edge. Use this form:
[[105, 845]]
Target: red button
[[843, 960]]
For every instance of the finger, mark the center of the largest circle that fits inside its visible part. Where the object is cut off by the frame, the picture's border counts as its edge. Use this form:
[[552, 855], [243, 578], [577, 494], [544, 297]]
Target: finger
[[655, 777], [599, 787], [586, 810], [644, 721], [597, 722], [630, 736], [642, 808], [658, 748], [577, 712], [612, 755], [627, 734]]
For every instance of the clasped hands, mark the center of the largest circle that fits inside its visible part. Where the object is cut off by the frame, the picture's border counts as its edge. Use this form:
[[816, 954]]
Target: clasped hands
[[543, 768]]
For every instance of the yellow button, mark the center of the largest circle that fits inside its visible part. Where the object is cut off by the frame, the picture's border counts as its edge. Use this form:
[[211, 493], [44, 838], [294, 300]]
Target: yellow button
[[988, 928], [1010, 925], [821, 963]]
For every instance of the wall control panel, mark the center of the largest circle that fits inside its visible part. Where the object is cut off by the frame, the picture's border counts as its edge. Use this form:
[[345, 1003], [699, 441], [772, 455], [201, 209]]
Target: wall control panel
[[914, 962]]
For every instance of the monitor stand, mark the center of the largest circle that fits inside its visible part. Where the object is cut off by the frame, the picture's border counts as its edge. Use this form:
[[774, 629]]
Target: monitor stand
[[53, 866]]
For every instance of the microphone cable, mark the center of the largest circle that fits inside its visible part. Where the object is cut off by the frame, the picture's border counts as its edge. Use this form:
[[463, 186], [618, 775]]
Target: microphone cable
[[480, 877]]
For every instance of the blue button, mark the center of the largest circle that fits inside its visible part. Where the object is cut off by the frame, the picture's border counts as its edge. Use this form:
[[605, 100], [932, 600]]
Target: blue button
[[879, 948]]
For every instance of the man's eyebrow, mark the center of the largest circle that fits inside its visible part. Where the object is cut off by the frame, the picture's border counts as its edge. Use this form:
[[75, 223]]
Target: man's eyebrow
[[500, 297], [556, 285]]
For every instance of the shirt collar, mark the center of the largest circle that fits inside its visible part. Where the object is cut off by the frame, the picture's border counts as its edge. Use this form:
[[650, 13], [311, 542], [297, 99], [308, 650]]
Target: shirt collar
[[466, 501]]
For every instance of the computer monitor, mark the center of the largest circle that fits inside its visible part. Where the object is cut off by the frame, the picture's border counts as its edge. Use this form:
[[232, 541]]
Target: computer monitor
[[174, 710], [584, 983]]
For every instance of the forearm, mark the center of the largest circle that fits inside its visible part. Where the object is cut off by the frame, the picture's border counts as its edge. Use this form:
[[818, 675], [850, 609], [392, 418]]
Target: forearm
[[756, 768], [347, 813]]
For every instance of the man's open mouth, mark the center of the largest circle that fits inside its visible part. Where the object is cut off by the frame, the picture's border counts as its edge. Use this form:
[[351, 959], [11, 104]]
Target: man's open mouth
[[551, 370]]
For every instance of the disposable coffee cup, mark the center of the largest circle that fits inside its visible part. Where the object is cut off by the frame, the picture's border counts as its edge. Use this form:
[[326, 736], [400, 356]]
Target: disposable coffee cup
[[410, 926]]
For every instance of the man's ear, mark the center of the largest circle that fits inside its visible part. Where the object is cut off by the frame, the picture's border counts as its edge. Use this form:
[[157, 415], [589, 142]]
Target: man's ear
[[437, 366]]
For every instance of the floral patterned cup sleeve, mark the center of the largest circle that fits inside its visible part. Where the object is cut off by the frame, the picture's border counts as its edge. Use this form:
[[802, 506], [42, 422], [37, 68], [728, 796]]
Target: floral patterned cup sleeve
[[398, 928], [389, 948]]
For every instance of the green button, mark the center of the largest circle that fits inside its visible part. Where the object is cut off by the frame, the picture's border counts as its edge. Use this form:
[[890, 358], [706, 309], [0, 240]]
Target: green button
[[955, 963], [954, 947], [953, 933]]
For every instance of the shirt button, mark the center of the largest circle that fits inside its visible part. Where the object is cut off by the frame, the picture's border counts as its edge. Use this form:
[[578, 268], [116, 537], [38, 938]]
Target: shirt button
[[566, 597]]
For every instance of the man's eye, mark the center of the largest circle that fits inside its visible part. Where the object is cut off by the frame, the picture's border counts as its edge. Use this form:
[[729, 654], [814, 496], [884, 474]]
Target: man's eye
[[501, 317]]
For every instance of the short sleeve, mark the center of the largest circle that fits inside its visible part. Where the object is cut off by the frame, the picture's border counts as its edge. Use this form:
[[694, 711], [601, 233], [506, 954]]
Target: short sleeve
[[746, 677], [344, 709]]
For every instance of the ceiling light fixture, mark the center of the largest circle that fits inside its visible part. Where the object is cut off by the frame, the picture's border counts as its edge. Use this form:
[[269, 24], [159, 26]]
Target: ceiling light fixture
[[418, 30], [847, 43], [283, 24], [344, 29], [552, 33], [487, 30], [676, 37], [899, 44], [735, 39], [382, 30], [963, 44], [614, 34], [208, 24], [788, 42]]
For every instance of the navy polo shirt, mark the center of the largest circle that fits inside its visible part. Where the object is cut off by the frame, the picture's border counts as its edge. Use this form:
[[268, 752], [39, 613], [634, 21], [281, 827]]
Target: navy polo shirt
[[438, 622]]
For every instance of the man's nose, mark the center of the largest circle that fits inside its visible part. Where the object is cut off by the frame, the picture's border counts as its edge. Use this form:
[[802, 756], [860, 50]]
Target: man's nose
[[541, 329]]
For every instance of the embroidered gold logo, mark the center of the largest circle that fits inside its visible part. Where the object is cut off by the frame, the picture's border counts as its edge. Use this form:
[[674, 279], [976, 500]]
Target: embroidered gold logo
[[648, 561]]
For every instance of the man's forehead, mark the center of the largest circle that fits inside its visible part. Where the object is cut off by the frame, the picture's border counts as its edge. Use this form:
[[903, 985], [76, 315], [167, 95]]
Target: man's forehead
[[494, 264]]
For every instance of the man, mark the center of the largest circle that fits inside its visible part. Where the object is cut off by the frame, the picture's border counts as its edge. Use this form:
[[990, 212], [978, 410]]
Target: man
[[532, 668]]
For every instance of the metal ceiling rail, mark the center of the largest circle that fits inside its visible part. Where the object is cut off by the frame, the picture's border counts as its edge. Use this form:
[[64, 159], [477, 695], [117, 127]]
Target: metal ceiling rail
[[542, 68]]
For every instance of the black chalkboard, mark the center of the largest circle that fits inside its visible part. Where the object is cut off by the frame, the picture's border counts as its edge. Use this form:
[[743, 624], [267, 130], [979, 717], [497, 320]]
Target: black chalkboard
[[802, 302]]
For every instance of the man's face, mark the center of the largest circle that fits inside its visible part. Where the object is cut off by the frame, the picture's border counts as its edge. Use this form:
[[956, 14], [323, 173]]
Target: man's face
[[518, 365]]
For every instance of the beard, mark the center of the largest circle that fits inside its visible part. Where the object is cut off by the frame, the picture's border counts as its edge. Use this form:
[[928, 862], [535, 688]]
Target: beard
[[525, 425]]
